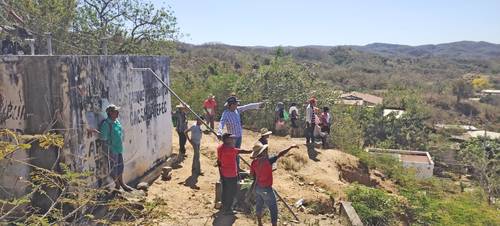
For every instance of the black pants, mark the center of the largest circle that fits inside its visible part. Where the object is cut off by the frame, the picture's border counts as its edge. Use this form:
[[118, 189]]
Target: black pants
[[182, 143], [310, 132], [325, 129], [229, 190]]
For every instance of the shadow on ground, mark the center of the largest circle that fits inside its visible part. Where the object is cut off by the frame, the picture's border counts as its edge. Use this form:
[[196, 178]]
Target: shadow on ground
[[223, 220], [191, 182], [312, 153]]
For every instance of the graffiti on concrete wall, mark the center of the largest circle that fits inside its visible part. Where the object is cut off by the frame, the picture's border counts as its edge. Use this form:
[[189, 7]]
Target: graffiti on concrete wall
[[96, 152], [12, 106], [147, 106], [11, 111], [13, 117]]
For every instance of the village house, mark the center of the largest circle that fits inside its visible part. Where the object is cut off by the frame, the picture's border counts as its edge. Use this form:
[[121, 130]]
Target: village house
[[360, 99], [487, 92], [420, 161]]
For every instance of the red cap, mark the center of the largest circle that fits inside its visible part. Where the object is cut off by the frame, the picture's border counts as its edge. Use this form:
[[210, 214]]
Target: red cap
[[312, 100]]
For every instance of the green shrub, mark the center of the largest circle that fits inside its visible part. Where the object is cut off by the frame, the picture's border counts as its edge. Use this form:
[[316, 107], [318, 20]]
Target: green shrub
[[346, 133], [374, 206], [463, 209], [389, 165]]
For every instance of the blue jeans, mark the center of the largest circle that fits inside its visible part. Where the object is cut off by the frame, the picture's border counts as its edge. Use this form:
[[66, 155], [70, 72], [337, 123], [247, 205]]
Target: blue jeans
[[266, 196], [237, 142], [116, 164], [310, 132], [196, 167]]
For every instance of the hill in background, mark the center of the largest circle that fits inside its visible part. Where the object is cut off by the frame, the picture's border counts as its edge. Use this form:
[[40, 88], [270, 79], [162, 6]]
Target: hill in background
[[369, 67], [458, 50]]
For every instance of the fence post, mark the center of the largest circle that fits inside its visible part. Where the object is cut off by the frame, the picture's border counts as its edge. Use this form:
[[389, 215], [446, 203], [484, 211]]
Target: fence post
[[31, 42], [49, 43]]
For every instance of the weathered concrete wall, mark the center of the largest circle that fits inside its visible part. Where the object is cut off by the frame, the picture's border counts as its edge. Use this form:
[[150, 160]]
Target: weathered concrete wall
[[421, 161], [12, 116], [68, 94]]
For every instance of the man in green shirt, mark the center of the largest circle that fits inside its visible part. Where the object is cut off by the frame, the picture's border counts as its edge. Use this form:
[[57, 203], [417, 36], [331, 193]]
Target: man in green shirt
[[112, 134]]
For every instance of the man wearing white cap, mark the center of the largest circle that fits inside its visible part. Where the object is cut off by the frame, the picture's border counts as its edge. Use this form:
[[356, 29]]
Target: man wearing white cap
[[111, 132]]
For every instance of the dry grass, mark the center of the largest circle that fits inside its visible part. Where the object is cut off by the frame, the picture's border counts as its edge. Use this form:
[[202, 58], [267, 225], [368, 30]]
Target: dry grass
[[294, 161], [289, 165]]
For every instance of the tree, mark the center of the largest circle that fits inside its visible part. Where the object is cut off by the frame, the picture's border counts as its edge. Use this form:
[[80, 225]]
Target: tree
[[81, 27], [483, 155], [131, 26], [462, 89], [281, 81], [480, 83], [280, 52], [32, 19]]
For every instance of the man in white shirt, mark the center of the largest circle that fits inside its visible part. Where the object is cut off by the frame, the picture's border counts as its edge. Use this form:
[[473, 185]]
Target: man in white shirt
[[310, 120]]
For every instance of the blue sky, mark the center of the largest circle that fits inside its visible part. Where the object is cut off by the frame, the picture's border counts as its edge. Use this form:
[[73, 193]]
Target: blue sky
[[315, 22]]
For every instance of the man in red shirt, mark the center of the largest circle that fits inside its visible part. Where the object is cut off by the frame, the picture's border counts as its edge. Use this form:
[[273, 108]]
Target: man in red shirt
[[226, 154], [210, 107], [262, 170]]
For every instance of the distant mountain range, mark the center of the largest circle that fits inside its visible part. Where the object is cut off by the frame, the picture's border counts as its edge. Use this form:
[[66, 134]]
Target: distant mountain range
[[375, 66], [463, 49], [456, 50]]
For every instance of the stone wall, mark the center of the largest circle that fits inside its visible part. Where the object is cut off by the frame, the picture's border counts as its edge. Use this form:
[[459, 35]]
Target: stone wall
[[68, 95]]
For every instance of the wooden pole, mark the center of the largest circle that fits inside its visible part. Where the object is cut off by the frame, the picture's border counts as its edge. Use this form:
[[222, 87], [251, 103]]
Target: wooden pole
[[279, 196], [287, 206]]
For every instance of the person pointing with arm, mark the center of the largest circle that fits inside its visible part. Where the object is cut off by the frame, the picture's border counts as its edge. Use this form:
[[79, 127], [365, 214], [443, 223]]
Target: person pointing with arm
[[232, 122], [262, 171]]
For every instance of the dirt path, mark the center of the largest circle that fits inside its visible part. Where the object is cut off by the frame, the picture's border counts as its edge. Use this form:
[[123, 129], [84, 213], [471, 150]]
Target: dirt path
[[190, 201]]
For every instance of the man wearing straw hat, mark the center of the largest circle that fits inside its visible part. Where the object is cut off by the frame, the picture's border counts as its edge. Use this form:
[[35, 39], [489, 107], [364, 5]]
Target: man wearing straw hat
[[181, 126], [261, 170], [111, 132], [264, 136]]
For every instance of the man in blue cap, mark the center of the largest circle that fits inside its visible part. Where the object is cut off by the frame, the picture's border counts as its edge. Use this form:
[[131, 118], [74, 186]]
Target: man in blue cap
[[232, 121]]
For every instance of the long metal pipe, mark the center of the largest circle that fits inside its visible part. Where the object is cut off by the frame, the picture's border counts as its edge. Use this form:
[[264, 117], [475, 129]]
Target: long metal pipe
[[177, 97]]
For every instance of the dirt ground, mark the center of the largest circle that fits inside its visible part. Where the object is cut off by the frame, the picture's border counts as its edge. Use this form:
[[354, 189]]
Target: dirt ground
[[318, 180]]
